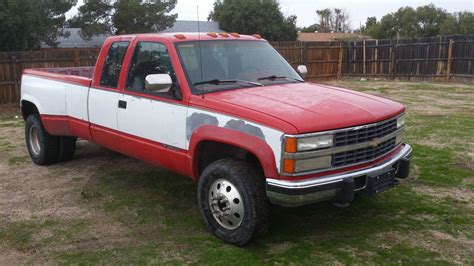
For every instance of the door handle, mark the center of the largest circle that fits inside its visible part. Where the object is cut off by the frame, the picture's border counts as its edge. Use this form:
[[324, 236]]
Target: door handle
[[122, 104]]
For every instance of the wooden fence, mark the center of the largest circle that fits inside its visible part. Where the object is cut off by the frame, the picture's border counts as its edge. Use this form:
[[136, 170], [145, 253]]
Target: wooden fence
[[437, 58], [13, 63]]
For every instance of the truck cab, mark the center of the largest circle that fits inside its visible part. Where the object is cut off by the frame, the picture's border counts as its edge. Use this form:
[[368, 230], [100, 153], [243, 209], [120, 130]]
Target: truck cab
[[227, 111]]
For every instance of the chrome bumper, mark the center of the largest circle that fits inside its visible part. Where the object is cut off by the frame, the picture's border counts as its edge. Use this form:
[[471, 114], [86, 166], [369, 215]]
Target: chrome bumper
[[296, 193]]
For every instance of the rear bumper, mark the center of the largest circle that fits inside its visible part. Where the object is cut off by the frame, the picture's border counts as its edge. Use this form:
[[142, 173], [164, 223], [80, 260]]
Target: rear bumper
[[340, 187]]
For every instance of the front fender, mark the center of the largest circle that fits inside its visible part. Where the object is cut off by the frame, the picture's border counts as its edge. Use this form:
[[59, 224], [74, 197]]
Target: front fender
[[252, 144]]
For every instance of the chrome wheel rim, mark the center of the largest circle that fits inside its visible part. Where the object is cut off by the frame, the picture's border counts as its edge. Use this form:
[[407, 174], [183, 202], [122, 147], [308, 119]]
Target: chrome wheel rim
[[226, 204], [34, 140]]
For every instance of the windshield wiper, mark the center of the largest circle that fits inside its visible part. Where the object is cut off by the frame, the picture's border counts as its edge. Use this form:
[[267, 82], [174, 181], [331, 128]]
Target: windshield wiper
[[274, 77], [224, 81]]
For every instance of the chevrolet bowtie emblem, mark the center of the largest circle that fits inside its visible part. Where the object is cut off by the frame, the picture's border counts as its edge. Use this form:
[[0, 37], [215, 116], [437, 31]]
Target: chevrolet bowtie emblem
[[375, 142]]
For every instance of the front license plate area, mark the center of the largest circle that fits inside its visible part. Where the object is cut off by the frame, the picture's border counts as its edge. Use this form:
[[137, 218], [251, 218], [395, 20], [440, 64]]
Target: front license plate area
[[380, 183]]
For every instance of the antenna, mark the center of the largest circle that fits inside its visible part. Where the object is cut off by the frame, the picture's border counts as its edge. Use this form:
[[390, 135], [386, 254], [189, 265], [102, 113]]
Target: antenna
[[199, 42]]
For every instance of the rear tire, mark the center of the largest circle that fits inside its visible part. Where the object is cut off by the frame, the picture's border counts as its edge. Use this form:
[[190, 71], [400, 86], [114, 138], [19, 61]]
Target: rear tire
[[67, 148], [232, 201], [42, 147]]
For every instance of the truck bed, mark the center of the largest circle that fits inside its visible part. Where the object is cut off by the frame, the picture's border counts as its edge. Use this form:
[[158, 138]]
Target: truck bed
[[77, 75]]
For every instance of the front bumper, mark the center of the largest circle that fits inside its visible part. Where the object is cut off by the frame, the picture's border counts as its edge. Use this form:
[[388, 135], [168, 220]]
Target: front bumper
[[340, 187]]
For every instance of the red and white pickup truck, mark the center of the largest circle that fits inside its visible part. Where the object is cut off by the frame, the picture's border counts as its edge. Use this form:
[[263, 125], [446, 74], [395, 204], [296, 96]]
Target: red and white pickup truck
[[229, 112]]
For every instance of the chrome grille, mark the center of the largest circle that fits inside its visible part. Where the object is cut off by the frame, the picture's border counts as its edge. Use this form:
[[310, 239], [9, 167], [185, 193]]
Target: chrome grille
[[362, 155], [365, 134]]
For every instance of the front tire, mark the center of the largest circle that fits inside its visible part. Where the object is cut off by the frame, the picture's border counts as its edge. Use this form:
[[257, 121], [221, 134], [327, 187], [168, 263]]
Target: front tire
[[232, 201], [42, 147]]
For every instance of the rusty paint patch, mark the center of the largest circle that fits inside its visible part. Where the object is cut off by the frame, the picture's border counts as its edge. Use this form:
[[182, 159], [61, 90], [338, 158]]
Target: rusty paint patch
[[196, 120], [241, 126]]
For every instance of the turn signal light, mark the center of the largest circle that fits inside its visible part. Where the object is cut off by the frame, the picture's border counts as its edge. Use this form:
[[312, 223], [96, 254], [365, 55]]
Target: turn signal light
[[290, 145], [289, 166]]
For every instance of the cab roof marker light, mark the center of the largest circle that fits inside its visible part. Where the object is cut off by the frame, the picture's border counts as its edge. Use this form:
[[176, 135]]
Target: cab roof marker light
[[212, 34], [235, 34], [258, 36], [180, 36], [224, 34]]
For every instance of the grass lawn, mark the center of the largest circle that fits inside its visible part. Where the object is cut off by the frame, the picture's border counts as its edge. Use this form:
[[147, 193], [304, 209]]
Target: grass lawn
[[106, 208]]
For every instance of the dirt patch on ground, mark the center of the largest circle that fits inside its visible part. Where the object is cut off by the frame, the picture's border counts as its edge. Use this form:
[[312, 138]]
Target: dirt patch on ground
[[29, 193]]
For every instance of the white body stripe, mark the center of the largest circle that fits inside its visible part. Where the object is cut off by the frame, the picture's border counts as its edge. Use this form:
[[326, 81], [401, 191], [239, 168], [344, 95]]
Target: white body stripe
[[103, 107], [76, 102], [48, 95], [154, 120], [167, 123]]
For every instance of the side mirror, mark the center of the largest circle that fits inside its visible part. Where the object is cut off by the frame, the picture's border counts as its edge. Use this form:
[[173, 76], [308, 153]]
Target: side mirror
[[302, 70], [158, 83]]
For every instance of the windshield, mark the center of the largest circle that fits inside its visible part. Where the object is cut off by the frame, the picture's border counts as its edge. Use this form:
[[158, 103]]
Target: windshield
[[233, 64]]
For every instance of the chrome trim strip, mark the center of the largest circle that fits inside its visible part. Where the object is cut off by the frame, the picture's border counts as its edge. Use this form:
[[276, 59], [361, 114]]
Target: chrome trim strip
[[343, 129], [330, 151], [318, 181]]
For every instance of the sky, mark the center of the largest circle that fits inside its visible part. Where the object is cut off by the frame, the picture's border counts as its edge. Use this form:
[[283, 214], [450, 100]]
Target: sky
[[305, 10]]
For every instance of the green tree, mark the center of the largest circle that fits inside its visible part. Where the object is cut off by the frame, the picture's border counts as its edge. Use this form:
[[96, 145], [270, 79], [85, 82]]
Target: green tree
[[250, 16], [123, 16], [26, 24], [458, 23], [425, 21]]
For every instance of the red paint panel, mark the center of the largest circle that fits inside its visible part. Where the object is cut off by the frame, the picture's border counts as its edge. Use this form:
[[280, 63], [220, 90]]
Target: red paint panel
[[308, 107], [56, 124], [105, 137], [153, 152], [79, 128], [252, 144]]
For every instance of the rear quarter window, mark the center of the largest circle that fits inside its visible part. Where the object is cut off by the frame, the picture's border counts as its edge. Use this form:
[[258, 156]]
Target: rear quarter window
[[113, 64]]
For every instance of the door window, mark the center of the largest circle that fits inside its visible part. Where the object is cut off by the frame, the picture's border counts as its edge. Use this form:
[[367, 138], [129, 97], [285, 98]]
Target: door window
[[113, 64], [151, 58]]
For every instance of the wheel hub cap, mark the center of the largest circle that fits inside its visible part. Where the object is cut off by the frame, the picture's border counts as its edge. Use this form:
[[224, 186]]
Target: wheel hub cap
[[226, 204], [34, 140]]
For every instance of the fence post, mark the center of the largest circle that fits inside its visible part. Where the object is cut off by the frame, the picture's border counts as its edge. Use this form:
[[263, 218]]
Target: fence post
[[15, 76], [76, 58], [376, 57], [339, 64], [393, 67], [450, 59], [364, 66]]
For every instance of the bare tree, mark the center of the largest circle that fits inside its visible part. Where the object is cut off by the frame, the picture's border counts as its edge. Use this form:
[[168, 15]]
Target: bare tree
[[336, 20]]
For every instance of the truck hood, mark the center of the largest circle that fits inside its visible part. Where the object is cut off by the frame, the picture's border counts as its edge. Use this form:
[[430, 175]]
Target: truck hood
[[310, 107]]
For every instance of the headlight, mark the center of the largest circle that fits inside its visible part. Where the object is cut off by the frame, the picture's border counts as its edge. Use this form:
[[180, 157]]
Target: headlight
[[401, 121], [313, 143]]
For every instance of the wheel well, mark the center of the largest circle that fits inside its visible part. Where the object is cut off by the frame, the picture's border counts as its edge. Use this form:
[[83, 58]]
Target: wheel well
[[28, 108], [211, 151]]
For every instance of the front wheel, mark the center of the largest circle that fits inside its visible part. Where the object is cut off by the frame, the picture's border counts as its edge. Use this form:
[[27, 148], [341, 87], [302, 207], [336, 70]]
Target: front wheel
[[232, 201]]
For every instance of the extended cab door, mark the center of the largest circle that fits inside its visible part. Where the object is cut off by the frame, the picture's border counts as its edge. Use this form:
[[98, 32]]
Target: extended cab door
[[104, 95], [152, 125]]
